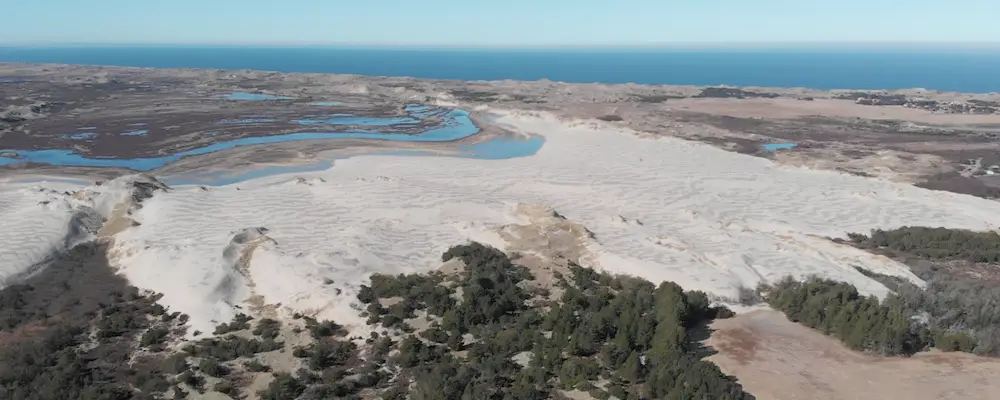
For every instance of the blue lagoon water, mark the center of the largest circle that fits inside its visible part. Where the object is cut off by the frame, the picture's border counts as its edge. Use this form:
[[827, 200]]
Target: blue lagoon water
[[458, 126], [140, 132], [81, 136], [502, 148], [938, 68]]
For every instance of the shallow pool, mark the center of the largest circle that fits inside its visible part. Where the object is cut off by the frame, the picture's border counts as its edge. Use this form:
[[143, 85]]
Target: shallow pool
[[502, 148], [777, 146]]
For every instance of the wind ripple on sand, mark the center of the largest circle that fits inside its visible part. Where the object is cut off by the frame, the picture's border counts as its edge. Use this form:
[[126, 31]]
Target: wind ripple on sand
[[708, 219], [36, 223]]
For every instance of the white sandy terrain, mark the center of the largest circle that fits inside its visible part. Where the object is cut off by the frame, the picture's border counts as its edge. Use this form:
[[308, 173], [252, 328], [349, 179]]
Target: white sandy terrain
[[41, 219], [662, 209]]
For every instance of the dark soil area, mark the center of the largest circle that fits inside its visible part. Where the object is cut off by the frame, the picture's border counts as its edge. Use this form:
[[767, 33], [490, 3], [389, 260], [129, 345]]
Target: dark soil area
[[957, 183], [153, 119], [876, 135]]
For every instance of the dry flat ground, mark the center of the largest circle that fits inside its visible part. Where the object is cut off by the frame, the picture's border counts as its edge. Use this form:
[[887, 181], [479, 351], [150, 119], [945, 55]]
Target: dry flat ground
[[774, 358]]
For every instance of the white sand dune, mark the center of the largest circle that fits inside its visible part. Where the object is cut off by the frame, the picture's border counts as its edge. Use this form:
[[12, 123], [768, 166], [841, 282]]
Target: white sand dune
[[41, 219], [36, 223], [663, 209]]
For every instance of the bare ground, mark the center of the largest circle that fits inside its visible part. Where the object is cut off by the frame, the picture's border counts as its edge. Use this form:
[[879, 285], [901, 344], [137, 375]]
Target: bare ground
[[774, 358]]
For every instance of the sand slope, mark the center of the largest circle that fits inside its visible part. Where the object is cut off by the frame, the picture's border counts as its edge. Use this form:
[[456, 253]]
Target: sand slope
[[663, 209], [39, 220]]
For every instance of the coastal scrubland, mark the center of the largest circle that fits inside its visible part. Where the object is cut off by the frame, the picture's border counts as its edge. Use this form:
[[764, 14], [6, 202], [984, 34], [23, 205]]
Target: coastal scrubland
[[323, 282], [482, 332], [956, 309]]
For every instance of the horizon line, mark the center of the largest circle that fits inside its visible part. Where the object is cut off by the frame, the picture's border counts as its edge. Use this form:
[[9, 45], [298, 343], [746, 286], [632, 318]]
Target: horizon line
[[553, 46]]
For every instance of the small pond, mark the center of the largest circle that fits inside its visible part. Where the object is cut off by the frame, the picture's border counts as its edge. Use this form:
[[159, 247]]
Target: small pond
[[80, 136], [777, 146]]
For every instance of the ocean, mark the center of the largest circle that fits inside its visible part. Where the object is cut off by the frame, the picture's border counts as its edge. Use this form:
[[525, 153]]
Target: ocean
[[975, 71]]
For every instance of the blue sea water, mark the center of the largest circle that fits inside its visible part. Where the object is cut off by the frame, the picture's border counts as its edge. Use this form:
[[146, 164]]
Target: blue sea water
[[965, 70]]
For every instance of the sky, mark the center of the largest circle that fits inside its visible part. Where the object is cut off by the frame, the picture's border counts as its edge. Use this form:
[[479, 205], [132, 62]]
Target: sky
[[490, 23]]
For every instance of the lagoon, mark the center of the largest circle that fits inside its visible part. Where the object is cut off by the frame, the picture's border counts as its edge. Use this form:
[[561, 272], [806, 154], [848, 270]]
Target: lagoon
[[458, 125], [498, 148]]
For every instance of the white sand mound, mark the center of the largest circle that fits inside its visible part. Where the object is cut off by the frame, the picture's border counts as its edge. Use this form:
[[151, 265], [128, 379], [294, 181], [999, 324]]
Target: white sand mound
[[41, 219], [663, 209]]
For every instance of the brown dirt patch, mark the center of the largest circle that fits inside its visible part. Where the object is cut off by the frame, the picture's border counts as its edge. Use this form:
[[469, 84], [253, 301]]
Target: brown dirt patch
[[774, 358]]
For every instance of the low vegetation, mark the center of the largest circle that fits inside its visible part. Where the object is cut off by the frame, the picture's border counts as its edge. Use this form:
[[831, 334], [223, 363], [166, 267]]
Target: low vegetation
[[611, 118], [958, 310], [484, 333], [72, 331], [609, 336], [724, 92], [934, 243]]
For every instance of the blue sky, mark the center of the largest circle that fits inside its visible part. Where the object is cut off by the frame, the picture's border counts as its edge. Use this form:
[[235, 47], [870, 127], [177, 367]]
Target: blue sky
[[496, 23]]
